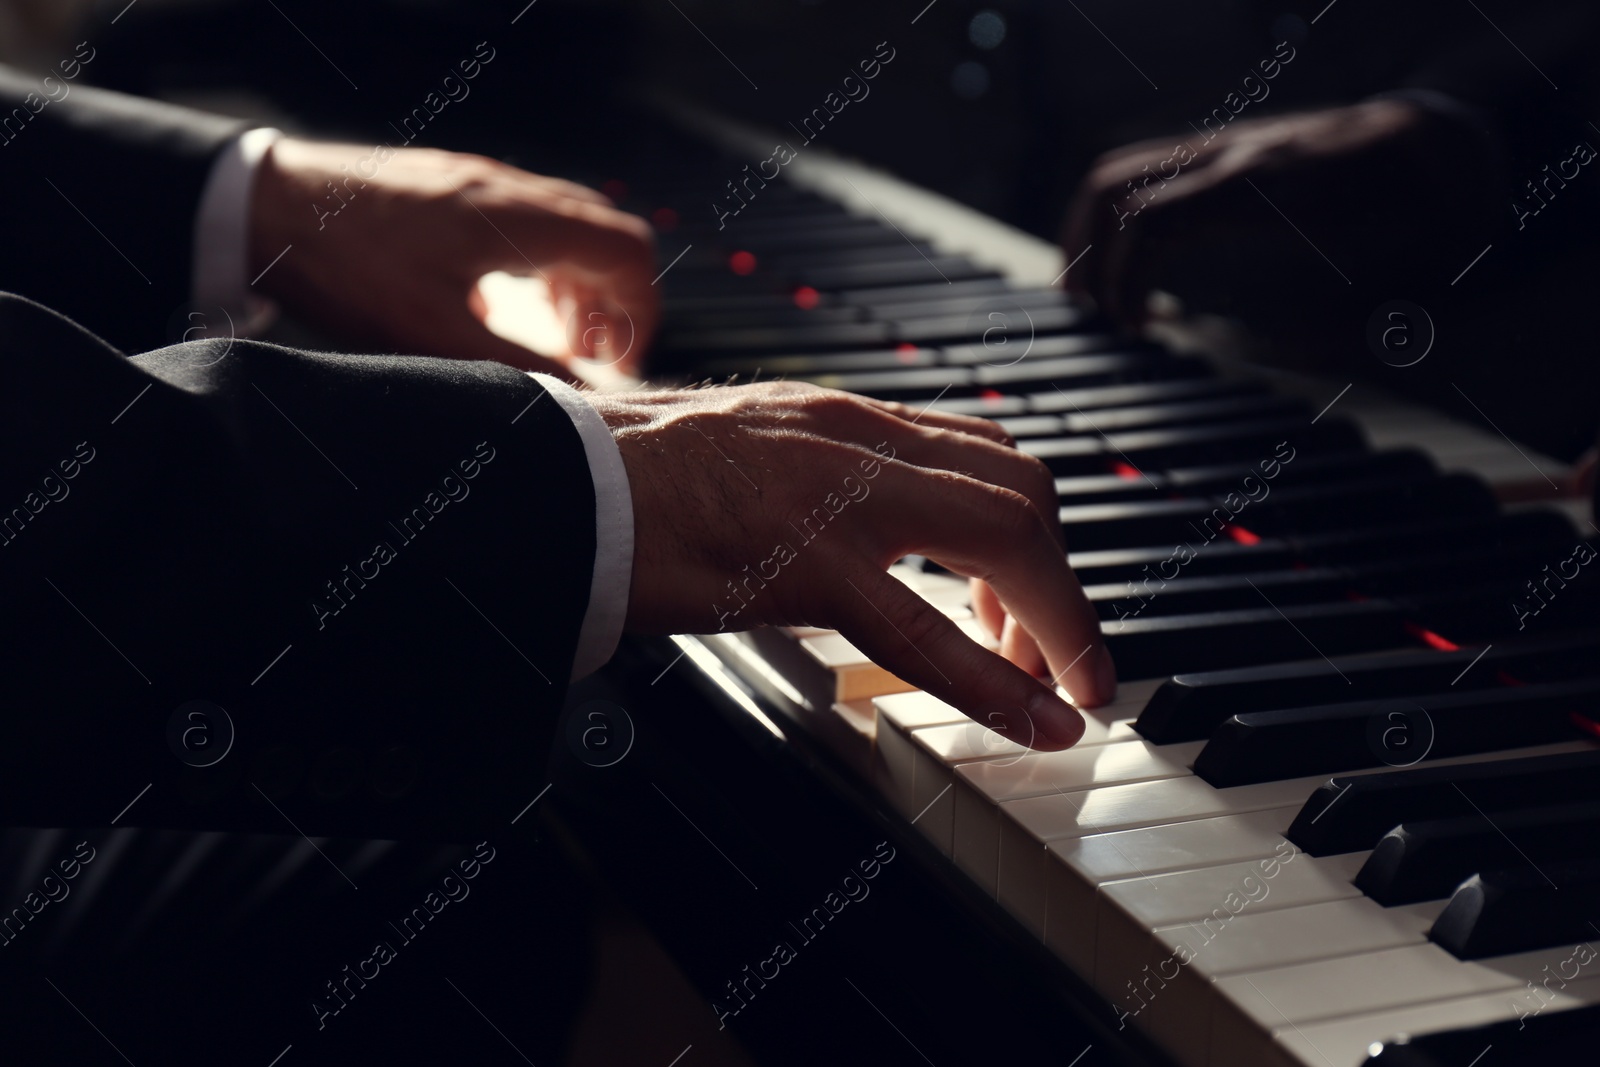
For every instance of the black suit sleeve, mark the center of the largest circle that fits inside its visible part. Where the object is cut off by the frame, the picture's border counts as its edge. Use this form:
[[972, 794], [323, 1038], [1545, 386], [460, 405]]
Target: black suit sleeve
[[98, 193], [375, 566]]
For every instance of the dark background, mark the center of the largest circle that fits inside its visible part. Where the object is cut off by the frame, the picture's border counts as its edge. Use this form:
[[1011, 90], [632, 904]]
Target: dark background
[[1007, 122]]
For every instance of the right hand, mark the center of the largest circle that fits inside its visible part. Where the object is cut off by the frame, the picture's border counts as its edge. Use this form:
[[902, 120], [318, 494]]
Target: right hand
[[811, 494]]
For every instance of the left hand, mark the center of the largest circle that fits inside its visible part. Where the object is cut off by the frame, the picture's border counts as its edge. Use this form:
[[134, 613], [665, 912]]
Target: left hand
[[1362, 179], [389, 255]]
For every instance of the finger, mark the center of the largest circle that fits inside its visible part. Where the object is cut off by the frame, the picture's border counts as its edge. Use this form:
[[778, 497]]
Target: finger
[[1079, 235], [611, 250], [987, 607], [999, 535], [920, 644], [1018, 646], [981, 457], [563, 187], [1190, 208], [1097, 215]]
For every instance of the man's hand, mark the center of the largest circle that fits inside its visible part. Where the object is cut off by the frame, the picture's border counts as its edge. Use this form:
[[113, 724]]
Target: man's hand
[[785, 503], [388, 251], [1367, 184]]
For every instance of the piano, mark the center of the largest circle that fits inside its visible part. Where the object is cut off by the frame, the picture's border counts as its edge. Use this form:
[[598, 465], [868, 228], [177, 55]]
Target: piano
[[1343, 810]]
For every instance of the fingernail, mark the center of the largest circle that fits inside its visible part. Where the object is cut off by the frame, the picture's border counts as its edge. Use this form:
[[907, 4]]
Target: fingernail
[[1105, 676], [1053, 717]]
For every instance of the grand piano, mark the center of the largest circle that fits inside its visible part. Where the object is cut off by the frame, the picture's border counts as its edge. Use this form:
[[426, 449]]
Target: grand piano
[[1340, 811]]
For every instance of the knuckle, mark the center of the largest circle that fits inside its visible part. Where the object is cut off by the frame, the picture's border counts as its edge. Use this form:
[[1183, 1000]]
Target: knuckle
[[832, 405], [1014, 514], [1038, 477]]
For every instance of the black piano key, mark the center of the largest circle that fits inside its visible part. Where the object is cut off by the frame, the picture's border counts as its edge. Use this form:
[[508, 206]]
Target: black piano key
[[866, 275], [1218, 481], [1266, 746], [1391, 464], [691, 284], [1520, 909], [1367, 544], [1351, 814], [1489, 611], [1425, 859], [1172, 644], [1373, 542], [1020, 426], [1397, 578], [990, 406], [811, 363], [1192, 445], [912, 383], [1006, 335], [1092, 526], [1309, 508], [1560, 1035], [1216, 557], [1139, 417], [1057, 401], [812, 336], [1034, 373], [785, 314], [824, 235], [676, 308], [799, 263], [867, 296], [980, 303], [1189, 707], [1049, 347], [918, 384], [1218, 592]]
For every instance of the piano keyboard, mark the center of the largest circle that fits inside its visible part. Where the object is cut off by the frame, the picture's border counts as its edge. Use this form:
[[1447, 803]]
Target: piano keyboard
[[1266, 851]]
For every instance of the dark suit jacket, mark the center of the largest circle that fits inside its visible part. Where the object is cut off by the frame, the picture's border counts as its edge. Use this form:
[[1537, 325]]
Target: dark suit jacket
[[376, 565], [98, 194]]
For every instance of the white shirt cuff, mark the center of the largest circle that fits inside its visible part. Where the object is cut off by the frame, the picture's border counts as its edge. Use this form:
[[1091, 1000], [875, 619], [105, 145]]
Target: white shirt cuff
[[613, 530], [222, 238]]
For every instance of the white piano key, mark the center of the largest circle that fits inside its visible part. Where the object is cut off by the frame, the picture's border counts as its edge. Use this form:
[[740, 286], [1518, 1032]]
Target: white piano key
[[1114, 721], [898, 758], [825, 668], [1253, 1006], [1127, 912], [940, 750], [1347, 1042], [948, 593], [1071, 871], [895, 760], [851, 732], [1125, 807], [982, 786], [1191, 954]]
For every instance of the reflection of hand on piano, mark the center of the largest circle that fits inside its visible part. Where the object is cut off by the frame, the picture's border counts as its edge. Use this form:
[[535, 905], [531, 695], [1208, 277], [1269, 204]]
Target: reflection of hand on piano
[[1329, 170], [731, 486], [384, 248]]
